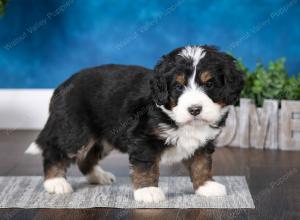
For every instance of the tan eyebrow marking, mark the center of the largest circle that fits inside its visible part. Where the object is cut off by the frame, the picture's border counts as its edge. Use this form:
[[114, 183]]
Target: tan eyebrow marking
[[205, 76], [221, 103], [181, 79]]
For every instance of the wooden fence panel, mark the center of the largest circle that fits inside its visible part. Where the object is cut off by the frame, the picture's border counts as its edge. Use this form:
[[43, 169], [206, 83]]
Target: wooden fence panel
[[289, 125]]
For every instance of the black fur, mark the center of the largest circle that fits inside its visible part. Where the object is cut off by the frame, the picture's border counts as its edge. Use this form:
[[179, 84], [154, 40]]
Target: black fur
[[228, 80], [118, 103]]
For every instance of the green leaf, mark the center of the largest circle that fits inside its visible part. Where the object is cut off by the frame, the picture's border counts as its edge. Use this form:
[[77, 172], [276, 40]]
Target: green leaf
[[2, 6], [271, 82]]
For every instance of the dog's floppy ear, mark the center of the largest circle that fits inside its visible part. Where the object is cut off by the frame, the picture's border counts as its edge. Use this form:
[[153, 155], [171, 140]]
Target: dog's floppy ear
[[159, 89], [159, 86], [167, 62]]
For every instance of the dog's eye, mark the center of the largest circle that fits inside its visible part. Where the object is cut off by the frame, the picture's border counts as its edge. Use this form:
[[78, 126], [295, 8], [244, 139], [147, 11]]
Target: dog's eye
[[209, 84], [179, 87]]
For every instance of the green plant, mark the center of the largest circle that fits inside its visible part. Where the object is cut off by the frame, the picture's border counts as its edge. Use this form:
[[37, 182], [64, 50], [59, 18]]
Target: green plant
[[2, 6], [271, 82]]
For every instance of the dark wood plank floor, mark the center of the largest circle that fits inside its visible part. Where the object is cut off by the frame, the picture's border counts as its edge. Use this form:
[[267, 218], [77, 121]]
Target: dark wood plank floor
[[273, 178]]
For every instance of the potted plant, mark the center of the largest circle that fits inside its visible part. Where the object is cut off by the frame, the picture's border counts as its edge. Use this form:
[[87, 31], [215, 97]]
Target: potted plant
[[2, 6], [268, 115]]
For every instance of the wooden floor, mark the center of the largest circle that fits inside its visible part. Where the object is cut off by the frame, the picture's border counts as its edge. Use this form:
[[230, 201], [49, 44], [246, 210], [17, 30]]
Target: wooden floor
[[273, 178]]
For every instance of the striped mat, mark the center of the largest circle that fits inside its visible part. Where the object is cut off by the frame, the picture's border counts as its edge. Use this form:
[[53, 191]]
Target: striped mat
[[28, 192]]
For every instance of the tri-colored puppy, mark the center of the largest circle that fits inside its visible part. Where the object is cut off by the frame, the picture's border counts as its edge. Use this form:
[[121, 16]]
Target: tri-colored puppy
[[172, 114]]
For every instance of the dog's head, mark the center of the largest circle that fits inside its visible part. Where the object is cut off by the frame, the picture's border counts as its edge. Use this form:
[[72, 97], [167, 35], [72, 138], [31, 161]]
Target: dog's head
[[194, 84]]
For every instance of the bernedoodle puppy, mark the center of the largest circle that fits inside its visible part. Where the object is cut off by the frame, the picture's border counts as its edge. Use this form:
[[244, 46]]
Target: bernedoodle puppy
[[167, 115]]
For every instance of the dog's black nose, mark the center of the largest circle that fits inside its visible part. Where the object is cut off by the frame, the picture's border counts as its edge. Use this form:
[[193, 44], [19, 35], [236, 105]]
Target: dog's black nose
[[195, 110]]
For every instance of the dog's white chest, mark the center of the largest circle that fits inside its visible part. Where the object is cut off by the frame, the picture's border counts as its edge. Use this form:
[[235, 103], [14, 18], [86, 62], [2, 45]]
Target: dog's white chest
[[185, 140]]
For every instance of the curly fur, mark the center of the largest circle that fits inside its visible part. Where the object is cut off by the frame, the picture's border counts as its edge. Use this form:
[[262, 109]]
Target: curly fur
[[126, 106]]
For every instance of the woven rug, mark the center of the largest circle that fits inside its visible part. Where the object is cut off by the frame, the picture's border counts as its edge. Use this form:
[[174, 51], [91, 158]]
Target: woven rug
[[28, 192]]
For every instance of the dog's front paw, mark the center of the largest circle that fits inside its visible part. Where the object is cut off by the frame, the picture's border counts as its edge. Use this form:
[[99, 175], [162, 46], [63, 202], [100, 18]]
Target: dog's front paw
[[211, 188], [99, 176], [149, 194], [58, 185]]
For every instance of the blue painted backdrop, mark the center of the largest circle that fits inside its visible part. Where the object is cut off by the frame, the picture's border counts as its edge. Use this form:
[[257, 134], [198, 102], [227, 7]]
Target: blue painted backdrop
[[44, 42]]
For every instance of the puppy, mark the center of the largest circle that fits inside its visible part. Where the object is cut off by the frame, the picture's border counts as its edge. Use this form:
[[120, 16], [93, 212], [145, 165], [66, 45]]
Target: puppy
[[172, 114]]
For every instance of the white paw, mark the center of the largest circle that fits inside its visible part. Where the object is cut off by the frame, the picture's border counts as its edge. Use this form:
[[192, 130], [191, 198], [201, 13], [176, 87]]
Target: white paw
[[99, 176], [149, 194], [211, 188], [58, 185]]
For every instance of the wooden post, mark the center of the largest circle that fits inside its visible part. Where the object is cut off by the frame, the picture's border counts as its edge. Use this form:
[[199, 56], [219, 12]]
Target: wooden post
[[256, 125], [229, 132], [289, 125], [269, 118], [247, 108], [236, 140]]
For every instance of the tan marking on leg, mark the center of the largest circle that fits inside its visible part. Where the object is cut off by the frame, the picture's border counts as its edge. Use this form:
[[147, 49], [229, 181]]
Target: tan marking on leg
[[87, 162], [82, 153], [107, 148], [54, 176], [145, 177], [57, 170], [199, 167]]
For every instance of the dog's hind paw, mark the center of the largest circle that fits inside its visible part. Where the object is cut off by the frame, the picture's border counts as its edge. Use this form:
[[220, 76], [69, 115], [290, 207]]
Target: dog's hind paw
[[99, 176]]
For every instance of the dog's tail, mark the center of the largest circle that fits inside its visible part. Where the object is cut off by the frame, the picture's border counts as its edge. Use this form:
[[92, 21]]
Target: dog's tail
[[33, 149]]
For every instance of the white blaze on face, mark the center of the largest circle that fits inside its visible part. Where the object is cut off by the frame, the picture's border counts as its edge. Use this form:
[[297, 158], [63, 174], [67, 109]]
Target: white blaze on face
[[196, 54], [194, 95], [191, 133]]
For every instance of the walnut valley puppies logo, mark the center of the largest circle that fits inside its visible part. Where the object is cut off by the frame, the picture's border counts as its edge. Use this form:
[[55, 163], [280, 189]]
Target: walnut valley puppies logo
[[148, 25], [258, 27], [124, 124], [260, 198], [30, 30]]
